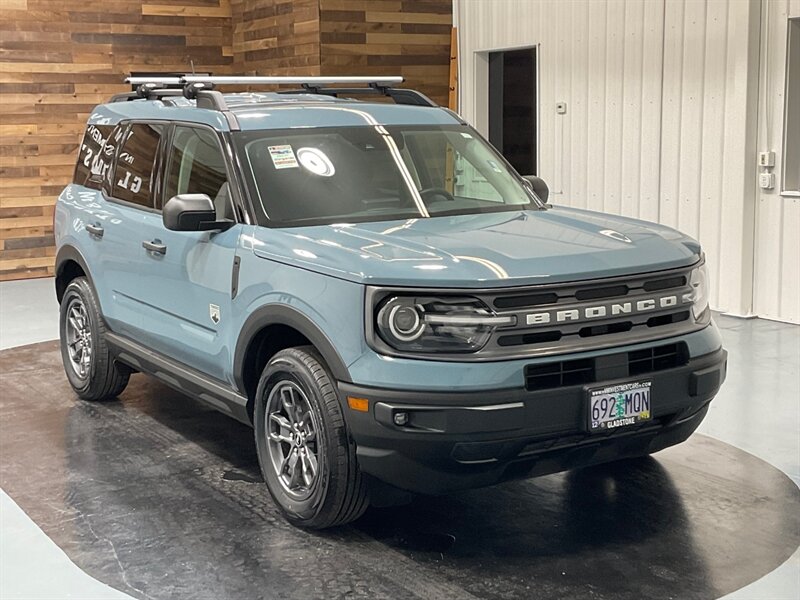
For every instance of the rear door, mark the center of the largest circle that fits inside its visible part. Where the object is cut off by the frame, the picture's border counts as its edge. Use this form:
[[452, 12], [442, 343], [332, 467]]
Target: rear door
[[187, 279], [127, 174]]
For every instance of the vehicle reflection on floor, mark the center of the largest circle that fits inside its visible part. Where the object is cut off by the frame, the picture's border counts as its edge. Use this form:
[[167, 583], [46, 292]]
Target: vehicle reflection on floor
[[160, 497]]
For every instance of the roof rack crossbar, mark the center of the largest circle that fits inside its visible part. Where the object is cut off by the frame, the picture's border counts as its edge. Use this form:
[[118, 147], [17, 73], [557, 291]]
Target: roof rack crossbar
[[164, 81], [198, 86], [312, 81]]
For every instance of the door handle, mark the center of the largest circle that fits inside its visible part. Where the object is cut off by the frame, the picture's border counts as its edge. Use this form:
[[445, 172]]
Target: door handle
[[94, 230], [155, 246]]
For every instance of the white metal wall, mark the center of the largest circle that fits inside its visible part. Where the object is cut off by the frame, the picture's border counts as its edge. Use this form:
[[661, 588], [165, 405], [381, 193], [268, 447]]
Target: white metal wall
[[661, 120], [777, 257]]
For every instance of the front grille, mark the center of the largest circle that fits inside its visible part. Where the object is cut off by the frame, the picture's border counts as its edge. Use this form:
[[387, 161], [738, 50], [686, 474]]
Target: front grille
[[668, 319], [594, 330], [599, 314], [525, 301], [602, 292], [558, 374], [582, 371], [529, 338], [657, 358], [656, 285], [565, 294]]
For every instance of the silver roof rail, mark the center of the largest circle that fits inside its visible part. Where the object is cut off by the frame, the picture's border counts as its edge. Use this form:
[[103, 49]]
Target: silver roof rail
[[201, 87], [311, 81]]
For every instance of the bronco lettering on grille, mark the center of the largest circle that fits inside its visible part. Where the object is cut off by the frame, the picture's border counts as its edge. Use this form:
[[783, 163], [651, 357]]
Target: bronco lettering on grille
[[600, 311]]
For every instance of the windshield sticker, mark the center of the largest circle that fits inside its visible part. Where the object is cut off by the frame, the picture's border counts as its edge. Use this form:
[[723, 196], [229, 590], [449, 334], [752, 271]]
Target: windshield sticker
[[283, 157], [316, 161], [494, 166], [466, 136]]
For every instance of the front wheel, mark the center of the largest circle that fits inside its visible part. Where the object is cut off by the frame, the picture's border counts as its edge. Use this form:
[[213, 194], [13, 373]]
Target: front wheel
[[307, 458]]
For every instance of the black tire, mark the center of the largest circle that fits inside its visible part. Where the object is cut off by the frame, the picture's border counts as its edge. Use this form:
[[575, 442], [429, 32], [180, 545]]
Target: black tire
[[338, 494], [102, 378]]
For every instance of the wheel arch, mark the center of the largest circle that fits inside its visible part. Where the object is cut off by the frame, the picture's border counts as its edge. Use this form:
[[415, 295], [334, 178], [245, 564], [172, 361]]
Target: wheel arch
[[294, 329], [69, 265]]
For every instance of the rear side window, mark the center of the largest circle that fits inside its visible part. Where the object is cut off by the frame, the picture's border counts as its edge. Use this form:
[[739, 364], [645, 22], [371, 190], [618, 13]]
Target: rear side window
[[133, 176], [91, 158]]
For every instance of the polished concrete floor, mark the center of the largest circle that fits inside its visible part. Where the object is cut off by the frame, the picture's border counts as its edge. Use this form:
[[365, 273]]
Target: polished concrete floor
[[159, 497]]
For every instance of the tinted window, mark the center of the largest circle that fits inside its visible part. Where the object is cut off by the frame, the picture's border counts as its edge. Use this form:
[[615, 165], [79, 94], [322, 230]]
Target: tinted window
[[91, 158], [103, 170], [465, 173], [377, 173], [197, 166], [134, 173]]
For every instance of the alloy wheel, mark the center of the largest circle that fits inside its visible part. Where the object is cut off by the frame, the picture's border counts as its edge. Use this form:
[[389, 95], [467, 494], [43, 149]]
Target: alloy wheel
[[292, 440], [78, 338]]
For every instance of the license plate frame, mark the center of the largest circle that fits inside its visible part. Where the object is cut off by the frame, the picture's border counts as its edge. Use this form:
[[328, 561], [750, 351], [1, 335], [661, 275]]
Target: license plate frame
[[632, 405]]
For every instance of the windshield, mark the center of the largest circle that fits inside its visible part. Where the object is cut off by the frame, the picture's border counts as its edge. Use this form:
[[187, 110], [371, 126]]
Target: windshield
[[376, 173]]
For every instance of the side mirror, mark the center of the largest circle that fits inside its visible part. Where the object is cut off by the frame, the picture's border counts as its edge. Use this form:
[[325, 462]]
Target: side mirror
[[539, 186], [192, 212]]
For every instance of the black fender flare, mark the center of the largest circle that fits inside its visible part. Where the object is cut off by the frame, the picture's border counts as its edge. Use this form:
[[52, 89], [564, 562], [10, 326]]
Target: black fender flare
[[70, 253], [282, 314]]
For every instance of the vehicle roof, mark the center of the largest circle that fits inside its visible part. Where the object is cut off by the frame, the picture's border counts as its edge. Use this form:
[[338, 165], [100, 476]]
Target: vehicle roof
[[257, 111]]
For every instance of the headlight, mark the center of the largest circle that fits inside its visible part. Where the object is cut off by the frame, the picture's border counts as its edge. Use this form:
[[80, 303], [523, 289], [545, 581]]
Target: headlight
[[429, 324], [698, 296]]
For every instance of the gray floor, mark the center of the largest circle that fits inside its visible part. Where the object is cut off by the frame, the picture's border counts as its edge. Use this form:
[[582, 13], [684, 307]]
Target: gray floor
[[764, 363], [28, 312]]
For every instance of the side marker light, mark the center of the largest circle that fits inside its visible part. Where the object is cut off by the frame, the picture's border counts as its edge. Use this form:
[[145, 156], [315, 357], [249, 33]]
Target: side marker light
[[359, 404]]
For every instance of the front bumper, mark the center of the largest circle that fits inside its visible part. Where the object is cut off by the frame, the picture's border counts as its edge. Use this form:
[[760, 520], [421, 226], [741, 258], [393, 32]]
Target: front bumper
[[459, 440]]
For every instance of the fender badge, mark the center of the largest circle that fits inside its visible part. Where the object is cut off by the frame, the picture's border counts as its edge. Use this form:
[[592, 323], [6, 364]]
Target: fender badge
[[213, 312]]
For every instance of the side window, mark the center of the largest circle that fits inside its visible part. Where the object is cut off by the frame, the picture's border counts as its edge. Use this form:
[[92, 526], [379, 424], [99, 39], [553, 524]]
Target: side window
[[133, 176], [91, 157], [101, 170], [197, 166]]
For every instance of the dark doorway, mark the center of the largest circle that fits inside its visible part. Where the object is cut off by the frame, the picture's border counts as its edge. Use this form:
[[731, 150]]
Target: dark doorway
[[512, 107]]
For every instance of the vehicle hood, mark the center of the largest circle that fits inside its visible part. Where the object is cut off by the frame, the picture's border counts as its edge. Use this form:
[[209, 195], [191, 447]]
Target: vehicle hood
[[483, 250]]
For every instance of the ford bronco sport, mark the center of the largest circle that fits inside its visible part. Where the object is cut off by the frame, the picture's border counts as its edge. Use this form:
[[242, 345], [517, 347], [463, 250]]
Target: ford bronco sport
[[370, 285]]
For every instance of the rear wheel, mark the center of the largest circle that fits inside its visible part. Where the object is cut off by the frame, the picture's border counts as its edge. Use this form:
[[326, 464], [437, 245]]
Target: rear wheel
[[307, 458], [88, 362]]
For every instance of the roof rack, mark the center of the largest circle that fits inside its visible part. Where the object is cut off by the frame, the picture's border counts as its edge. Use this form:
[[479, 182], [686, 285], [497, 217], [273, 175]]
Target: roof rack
[[150, 91], [311, 81], [162, 81], [201, 87]]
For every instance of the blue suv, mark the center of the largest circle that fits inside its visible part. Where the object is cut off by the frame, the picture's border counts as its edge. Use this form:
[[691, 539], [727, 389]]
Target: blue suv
[[375, 289]]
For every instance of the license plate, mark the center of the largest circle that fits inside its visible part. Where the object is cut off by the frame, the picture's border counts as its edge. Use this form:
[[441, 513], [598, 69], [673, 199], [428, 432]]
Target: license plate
[[619, 405]]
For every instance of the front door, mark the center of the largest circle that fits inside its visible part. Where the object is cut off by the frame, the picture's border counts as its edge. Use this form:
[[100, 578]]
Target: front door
[[186, 276]]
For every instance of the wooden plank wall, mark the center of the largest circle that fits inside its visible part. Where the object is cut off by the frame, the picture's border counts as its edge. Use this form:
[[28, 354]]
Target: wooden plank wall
[[389, 37], [276, 37], [346, 37], [58, 59]]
